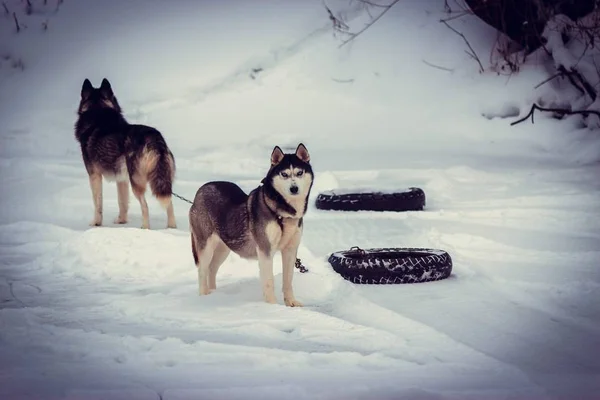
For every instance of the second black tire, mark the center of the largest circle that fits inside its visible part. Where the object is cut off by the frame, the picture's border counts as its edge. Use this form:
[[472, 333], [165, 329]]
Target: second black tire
[[412, 199]]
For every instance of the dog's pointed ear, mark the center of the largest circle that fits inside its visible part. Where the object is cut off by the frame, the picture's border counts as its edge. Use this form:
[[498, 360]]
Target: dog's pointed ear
[[276, 156], [105, 87], [86, 88], [302, 153]]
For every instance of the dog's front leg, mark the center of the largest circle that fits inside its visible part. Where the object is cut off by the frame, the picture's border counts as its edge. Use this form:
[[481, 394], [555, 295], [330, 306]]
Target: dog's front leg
[[265, 264], [96, 186], [288, 261]]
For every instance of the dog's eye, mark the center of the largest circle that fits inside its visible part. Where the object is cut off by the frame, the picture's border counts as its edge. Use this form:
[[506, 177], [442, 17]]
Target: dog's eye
[[299, 173], [285, 175]]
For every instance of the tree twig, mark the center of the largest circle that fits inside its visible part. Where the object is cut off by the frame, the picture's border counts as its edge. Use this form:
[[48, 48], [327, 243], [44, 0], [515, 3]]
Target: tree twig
[[589, 89], [459, 15], [6, 11], [447, 7], [373, 4], [337, 23], [572, 75], [354, 35], [16, 22], [437, 66], [571, 79], [342, 80], [562, 111], [549, 79], [472, 54]]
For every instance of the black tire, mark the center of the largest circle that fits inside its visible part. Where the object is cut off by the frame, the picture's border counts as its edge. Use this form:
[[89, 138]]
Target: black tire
[[413, 199], [391, 265]]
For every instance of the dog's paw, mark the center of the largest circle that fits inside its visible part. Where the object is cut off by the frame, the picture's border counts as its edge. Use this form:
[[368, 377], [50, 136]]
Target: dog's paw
[[270, 299], [293, 303], [120, 220], [96, 222], [145, 226], [172, 225]]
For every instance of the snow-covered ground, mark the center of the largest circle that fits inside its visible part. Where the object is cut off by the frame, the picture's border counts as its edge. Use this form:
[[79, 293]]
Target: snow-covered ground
[[113, 312]]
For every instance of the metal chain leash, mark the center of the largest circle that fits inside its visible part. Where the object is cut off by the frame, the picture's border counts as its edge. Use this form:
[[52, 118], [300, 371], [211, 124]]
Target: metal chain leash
[[300, 267], [182, 198]]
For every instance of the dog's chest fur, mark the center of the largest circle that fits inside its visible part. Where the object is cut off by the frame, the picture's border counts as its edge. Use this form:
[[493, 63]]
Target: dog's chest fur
[[283, 233]]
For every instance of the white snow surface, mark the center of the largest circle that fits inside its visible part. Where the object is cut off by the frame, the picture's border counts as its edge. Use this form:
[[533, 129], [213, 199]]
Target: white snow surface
[[113, 312]]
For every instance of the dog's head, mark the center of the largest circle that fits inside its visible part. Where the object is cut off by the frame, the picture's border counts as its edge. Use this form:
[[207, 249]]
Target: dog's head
[[97, 99], [291, 174]]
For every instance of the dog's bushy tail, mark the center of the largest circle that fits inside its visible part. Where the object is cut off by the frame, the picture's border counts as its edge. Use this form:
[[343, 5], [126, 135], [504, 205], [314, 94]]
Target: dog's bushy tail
[[161, 177]]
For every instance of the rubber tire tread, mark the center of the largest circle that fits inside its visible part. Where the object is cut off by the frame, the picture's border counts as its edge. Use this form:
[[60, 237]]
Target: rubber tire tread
[[379, 267]]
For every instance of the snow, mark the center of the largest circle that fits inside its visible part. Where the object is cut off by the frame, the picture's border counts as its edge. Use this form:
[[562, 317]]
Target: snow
[[554, 43], [113, 312]]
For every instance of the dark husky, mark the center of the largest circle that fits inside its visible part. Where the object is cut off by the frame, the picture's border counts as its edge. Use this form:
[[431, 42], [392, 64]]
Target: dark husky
[[122, 152], [255, 226]]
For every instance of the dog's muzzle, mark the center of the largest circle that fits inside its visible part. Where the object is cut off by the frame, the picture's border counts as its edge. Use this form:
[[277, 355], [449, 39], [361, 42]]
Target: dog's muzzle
[[294, 189]]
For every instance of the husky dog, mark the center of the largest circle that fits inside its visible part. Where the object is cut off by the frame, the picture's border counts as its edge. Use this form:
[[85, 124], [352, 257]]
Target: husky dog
[[223, 218], [122, 152]]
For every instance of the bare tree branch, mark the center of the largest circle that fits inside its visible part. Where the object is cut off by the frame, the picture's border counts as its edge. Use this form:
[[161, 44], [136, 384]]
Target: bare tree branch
[[463, 10], [338, 24], [342, 80], [459, 15], [447, 7], [16, 22], [472, 53], [589, 89], [373, 4], [562, 111], [437, 66], [354, 35], [549, 79]]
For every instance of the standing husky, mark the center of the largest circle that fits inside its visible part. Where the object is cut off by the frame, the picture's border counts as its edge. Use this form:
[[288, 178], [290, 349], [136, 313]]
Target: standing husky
[[255, 226], [122, 152]]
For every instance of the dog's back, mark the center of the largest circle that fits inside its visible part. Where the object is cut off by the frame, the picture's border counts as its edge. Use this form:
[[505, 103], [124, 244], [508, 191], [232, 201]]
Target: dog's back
[[221, 208]]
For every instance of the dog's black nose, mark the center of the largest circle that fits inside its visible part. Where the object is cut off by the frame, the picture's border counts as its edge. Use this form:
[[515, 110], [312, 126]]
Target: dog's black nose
[[294, 189]]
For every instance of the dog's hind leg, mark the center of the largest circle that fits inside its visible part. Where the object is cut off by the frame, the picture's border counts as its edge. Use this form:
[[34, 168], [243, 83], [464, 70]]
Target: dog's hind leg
[[138, 191], [123, 193], [194, 251], [203, 256], [219, 256], [171, 215], [96, 186], [161, 172]]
